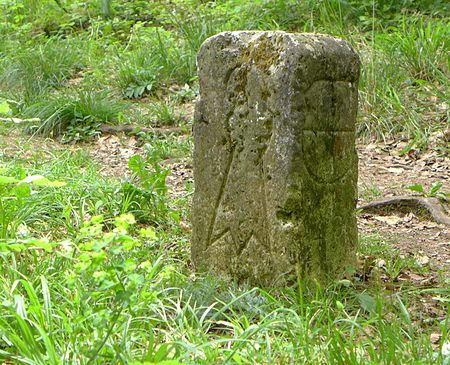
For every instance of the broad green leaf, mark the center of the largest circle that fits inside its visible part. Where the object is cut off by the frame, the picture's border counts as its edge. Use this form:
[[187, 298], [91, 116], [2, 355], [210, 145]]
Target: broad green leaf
[[129, 265], [237, 358], [340, 305], [139, 91], [367, 302], [435, 188], [100, 275], [21, 191], [16, 247], [345, 282], [136, 163], [124, 220], [146, 265], [416, 187], [4, 108], [148, 233], [53, 184], [4, 180], [44, 244]]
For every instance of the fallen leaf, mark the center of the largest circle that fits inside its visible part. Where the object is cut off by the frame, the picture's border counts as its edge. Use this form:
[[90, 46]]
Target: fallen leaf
[[435, 236], [392, 220], [435, 338], [380, 263], [396, 170], [423, 260]]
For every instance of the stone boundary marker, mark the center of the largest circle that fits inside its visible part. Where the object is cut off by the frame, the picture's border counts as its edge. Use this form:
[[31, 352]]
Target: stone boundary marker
[[275, 165]]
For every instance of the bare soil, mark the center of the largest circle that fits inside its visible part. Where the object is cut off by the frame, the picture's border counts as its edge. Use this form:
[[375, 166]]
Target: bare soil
[[385, 171]]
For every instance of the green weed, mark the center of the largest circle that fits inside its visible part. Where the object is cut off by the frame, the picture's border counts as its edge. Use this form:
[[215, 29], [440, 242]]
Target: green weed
[[102, 288], [36, 309], [132, 302], [139, 74], [147, 190], [422, 47], [16, 208], [155, 59], [164, 113], [370, 192], [31, 72], [76, 116], [434, 191]]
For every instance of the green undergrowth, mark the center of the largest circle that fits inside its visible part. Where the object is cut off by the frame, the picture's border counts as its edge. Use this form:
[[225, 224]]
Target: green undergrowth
[[91, 276], [86, 192], [114, 293], [117, 294]]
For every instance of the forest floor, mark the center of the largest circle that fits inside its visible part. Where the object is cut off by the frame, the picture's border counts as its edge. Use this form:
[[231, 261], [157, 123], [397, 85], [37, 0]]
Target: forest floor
[[384, 172], [96, 185]]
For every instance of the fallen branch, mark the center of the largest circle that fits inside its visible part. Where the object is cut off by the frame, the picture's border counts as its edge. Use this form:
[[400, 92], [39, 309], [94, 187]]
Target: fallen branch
[[135, 130], [432, 205]]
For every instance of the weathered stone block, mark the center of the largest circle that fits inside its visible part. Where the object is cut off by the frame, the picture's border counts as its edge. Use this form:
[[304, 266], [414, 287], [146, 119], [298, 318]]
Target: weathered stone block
[[275, 165]]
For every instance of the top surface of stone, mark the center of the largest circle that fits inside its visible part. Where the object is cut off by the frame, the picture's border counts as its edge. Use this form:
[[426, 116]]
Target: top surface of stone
[[281, 46]]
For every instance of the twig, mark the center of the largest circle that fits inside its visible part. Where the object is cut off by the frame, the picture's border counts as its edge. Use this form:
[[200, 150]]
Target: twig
[[135, 130]]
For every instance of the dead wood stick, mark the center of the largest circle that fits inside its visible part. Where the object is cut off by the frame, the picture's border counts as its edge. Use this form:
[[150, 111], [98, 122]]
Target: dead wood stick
[[432, 205], [132, 129]]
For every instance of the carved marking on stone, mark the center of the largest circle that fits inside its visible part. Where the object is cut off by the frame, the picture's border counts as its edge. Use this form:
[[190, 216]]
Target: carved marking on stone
[[246, 242], [327, 154], [219, 236], [219, 198]]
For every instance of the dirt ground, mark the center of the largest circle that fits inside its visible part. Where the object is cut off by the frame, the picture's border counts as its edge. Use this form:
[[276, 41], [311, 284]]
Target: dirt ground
[[387, 173], [383, 172]]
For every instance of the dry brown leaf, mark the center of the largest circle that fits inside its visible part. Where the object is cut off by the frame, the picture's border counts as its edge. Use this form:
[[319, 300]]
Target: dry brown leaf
[[396, 170], [423, 260], [435, 338], [392, 220]]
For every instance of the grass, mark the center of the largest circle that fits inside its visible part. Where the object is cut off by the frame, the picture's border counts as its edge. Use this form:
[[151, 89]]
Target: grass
[[110, 291], [164, 113], [370, 192], [421, 45], [98, 271], [77, 116], [155, 58], [404, 57], [88, 302], [31, 71]]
